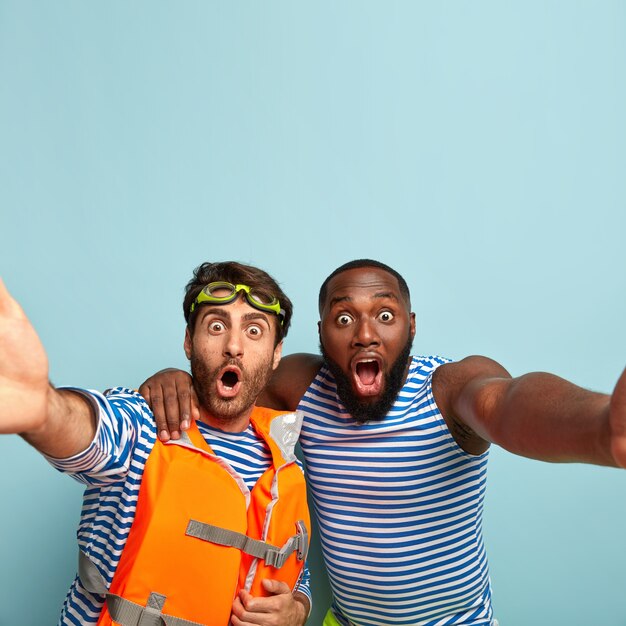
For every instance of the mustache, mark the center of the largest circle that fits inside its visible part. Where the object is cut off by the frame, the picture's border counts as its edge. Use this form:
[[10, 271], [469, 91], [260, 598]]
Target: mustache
[[231, 362]]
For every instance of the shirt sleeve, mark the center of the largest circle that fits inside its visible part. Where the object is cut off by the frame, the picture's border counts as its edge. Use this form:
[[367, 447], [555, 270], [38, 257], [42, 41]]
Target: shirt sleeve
[[120, 415], [304, 585]]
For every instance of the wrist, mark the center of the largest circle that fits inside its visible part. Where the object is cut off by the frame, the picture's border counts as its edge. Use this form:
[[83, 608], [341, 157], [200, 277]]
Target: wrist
[[304, 606]]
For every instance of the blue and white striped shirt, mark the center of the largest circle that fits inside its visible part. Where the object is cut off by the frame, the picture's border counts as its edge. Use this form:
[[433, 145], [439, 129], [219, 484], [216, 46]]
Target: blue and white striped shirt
[[112, 468], [399, 506]]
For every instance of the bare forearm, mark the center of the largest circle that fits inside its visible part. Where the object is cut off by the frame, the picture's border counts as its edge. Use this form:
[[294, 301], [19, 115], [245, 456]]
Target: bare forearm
[[540, 416], [68, 428]]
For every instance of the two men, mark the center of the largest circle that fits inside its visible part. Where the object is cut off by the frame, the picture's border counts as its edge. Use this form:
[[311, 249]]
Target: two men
[[396, 450], [211, 529]]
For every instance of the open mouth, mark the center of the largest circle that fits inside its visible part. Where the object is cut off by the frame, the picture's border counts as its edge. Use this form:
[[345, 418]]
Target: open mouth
[[229, 382], [367, 376]]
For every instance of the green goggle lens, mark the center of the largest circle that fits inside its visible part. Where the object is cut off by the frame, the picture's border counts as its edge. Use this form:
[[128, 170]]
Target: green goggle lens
[[222, 292]]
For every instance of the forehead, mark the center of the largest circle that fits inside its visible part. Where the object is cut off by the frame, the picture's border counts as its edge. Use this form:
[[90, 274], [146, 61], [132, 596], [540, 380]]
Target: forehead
[[362, 283]]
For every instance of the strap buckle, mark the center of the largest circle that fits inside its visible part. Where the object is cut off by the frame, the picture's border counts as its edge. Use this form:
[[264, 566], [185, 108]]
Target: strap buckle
[[299, 544]]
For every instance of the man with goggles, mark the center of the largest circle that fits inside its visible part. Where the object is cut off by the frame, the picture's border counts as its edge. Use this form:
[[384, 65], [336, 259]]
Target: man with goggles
[[174, 507]]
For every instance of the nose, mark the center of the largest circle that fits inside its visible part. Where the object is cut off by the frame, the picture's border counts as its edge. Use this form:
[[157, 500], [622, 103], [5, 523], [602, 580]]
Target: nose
[[365, 334], [233, 347]]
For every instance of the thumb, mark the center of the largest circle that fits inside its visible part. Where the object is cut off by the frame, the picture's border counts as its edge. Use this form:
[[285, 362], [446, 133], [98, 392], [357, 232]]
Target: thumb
[[8, 305], [618, 399], [275, 587], [618, 421], [245, 597]]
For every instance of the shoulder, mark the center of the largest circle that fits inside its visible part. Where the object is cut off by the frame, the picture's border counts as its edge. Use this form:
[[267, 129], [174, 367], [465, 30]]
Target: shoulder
[[452, 377], [449, 382], [426, 365], [122, 408], [125, 397], [453, 373], [290, 381]]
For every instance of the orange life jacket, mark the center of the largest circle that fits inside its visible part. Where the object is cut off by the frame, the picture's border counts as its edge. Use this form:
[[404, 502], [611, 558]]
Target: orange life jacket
[[199, 534]]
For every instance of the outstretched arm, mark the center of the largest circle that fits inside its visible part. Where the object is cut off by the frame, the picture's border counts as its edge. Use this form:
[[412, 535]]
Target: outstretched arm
[[57, 423], [173, 401], [537, 415]]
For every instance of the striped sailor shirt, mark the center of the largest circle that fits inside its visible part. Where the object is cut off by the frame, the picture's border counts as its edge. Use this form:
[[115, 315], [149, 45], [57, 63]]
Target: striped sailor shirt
[[399, 505]]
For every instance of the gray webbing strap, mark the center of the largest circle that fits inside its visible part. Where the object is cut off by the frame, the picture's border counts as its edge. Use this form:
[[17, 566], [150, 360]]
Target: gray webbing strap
[[127, 613], [123, 611], [272, 555], [90, 577]]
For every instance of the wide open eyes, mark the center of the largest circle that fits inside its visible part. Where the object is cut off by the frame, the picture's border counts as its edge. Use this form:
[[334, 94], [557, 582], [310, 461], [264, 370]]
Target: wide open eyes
[[254, 331], [216, 327], [344, 319]]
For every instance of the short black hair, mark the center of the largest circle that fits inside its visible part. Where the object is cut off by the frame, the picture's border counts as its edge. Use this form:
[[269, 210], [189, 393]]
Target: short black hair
[[350, 265], [236, 273]]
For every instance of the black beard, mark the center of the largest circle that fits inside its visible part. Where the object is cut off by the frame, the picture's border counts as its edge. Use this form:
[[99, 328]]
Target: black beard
[[370, 411]]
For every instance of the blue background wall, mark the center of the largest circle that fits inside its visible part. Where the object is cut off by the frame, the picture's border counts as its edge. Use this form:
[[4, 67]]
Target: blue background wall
[[478, 147]]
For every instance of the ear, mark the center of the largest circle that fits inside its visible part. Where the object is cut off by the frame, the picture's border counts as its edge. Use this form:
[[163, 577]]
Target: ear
[[412, 325], [319, 328], [278, 353], [187, 343]]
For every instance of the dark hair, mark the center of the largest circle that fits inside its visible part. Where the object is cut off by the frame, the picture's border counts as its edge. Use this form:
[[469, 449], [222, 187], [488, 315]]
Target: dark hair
[[236, 273], [350, 265]]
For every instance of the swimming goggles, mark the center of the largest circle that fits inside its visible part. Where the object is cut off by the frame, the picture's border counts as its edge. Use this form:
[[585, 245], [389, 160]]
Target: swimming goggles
[[229, 292]]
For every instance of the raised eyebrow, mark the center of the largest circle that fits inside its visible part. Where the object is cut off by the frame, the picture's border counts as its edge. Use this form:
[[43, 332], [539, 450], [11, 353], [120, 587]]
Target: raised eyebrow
[[383, 295], [256, 315], [386, 294], [339, 300], [220, 311], [215, 310]]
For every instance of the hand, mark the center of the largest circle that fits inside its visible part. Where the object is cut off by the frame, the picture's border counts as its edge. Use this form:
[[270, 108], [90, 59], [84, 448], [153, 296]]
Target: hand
[[23, 370], [173, 401], [617, 421], [281, 608]]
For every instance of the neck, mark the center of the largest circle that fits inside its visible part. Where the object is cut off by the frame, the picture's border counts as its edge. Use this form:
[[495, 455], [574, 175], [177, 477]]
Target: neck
[[227, 423]]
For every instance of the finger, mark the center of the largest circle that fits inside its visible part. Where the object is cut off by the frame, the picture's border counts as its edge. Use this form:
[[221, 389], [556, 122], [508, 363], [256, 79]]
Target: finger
[[235, 621], [172, 414], [245, 598], [154, 398], [275, 587], [184, 390], [251, 619], [156, 404], [241, 617], [238, 608], [144, 390], [258, 605], [195, 402]]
